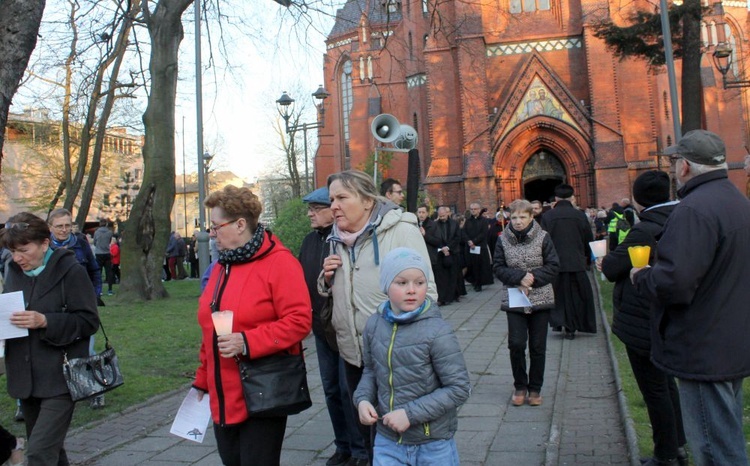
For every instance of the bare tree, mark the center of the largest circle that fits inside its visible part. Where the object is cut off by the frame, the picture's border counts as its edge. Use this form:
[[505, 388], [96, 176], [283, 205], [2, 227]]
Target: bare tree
[[19, 26]]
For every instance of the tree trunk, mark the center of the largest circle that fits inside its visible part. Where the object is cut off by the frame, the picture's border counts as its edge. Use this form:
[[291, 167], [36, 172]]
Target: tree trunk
[[19, 27], [692, 91], [147, 229]]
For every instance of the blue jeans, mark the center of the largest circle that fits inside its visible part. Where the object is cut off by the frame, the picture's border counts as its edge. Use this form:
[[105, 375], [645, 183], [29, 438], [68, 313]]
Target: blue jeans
[[436, 452], [712, 416], [340, 409]]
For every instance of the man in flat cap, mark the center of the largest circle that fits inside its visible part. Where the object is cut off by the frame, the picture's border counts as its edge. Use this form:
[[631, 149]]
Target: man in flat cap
[[348, 440], [701, 316], [571, 233]]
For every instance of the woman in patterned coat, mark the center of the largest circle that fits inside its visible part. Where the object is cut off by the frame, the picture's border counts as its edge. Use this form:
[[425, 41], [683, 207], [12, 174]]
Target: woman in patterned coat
[[525, 258]]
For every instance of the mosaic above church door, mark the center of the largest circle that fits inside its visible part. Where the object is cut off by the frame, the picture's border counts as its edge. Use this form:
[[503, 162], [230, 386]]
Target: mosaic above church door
[[538, 100]]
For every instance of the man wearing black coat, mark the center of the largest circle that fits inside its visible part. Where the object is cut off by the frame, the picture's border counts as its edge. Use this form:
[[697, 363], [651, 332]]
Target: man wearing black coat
[[571, 233], [442, 238], [702, 321], [348, 441], [632, 320], [478, 256]]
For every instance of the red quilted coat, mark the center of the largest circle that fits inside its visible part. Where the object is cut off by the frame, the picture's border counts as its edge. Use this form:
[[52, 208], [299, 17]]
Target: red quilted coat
[[271, 308]]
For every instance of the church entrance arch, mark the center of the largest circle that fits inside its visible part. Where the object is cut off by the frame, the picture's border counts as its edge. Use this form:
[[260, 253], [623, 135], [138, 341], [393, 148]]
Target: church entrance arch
[[537, 155], [542, 172]]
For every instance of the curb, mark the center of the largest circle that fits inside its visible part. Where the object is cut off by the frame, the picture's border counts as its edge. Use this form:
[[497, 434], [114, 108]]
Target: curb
[[627, 421]]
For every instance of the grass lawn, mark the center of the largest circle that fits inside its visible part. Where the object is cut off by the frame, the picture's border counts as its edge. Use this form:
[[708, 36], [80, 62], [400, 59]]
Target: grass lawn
[[157, 344], [636, 406]]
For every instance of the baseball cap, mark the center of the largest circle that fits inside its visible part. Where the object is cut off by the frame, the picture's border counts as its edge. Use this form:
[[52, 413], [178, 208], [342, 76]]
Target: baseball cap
[[701, 147]]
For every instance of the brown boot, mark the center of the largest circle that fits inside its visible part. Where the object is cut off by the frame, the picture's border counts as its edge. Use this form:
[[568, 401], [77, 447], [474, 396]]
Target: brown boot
[[535, 399], [518, 398]]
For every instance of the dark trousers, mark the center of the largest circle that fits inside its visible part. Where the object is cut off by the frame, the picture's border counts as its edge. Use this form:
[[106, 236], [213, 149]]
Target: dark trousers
[[662, 400], [47, 422], [353, 376], [531, 328], [343, 417], [105, 263], [255, 441], [7, 444]]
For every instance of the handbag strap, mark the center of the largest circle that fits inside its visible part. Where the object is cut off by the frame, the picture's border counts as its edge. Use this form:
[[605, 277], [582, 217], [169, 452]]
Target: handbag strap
[[65, 309]]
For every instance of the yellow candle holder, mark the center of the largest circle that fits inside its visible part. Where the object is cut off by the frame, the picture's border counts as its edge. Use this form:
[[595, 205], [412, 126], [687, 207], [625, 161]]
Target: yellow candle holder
[[639, 255]]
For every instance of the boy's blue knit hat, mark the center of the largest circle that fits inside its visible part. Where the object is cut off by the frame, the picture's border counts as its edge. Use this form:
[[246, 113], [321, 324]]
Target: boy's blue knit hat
[[397, 261]]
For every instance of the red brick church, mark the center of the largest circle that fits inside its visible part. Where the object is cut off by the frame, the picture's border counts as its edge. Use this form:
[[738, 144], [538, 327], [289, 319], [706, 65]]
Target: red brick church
[[512, 97]]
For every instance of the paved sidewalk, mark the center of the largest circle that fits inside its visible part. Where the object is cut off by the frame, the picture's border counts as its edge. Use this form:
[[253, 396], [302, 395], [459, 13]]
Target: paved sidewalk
[[579, 422]]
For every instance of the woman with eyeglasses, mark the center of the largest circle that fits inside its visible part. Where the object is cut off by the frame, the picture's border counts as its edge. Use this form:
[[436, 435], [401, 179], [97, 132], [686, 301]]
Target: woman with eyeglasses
[[60, 315], [262, 283]]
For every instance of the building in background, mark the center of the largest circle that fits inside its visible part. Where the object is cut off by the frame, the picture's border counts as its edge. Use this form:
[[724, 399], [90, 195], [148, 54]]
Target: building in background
[[512, 97], [33, 168]]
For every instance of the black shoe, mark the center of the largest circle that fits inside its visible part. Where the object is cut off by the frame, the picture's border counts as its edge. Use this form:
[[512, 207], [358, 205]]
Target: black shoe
[[358, 462], [19, 415], [478, 288], [658, 462], [570, 334], [338, 459], [97, 402]]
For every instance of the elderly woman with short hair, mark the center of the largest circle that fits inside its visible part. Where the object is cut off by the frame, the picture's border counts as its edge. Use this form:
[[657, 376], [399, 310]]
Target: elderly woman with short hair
[[260, 280], [60, 315], [525, 258], [366, 227]]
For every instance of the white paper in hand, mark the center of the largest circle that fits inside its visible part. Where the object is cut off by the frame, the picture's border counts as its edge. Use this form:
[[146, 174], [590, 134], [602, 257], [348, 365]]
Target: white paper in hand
[[191, 421], [10, 303], [516, 298], [475, 250]]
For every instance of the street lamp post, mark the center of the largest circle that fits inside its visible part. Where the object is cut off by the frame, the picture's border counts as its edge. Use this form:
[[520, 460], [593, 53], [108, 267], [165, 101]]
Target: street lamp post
[[723, 62], [285, 105]]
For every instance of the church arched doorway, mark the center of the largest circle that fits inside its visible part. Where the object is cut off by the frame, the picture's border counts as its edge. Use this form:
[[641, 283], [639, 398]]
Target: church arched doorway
[[542, 172]]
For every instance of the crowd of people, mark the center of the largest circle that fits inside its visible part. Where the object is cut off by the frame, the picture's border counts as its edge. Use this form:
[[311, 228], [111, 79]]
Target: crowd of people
[[392, 370]]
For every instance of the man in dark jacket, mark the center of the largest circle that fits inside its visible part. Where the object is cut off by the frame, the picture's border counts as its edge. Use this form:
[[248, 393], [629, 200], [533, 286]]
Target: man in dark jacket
[[478, 257], [701, 326], [632, 319], [570, 231], [349, 445], [442, 240]]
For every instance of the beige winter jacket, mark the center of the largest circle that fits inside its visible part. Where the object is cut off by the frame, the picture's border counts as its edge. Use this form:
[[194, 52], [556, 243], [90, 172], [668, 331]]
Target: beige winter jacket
[[356, 290]]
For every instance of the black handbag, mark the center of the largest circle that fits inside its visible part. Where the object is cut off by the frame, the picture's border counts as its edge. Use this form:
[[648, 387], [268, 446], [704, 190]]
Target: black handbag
[[92, 375], [275, 385]]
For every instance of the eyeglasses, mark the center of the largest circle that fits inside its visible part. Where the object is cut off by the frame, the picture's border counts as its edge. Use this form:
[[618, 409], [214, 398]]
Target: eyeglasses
[[17, 225], [216, 228], [317, 208], [397, 192], [63, 227]]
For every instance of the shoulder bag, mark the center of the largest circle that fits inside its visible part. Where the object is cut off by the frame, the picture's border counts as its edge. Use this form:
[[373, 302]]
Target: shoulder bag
[[92, 375], [275, 385]]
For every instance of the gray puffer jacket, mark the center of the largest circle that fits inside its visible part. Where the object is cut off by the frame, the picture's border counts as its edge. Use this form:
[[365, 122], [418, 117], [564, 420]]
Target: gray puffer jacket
[[417, 366]]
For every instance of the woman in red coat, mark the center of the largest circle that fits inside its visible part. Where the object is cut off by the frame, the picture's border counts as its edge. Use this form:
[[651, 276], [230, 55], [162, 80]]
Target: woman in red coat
[[262, 283]]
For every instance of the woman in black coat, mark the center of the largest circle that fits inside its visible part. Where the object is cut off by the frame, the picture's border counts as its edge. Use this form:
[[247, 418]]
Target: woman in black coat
[[60, 315], [632, 320]]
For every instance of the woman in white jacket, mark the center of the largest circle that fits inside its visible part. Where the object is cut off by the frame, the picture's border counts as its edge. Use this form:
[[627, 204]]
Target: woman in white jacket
[[366, 227]]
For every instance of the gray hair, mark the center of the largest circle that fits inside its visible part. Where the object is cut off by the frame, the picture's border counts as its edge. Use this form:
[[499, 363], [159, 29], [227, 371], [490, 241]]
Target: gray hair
[[699, 169]]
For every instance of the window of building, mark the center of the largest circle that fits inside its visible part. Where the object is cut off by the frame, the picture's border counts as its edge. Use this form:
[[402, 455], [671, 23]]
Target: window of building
[[392, 6], [424, 7], [528, 6], [347, 101]]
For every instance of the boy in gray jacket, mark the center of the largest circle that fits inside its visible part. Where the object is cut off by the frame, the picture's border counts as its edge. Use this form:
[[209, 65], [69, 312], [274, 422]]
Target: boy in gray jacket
[[414, 376]]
